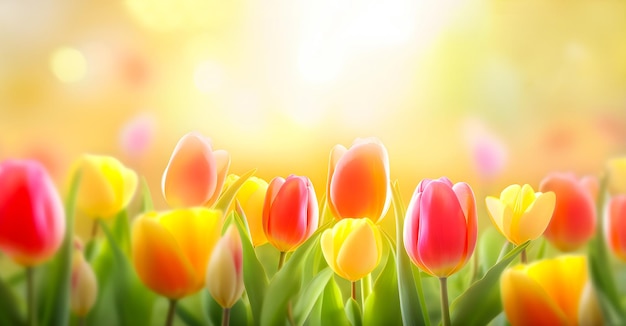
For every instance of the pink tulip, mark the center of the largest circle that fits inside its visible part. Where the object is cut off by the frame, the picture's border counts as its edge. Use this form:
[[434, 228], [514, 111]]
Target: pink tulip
[[32, 219], [195, 173], [440, 226]]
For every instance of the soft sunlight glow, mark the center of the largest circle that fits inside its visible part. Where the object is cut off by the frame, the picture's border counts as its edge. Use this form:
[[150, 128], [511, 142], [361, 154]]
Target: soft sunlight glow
[[68, 64], [208, 77]]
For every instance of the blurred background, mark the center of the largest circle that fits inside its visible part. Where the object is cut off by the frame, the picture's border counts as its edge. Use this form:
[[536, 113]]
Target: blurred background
[[483, 91]]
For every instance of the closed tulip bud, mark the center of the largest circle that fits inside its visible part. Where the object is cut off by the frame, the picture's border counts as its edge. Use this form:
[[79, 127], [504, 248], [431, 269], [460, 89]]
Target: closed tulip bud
[[589, 311], [106, 186], [616, 226], [546, 292], [171, 250], [251, 197], [290, 213], [224, 277], [616, 169], [84, 286], [520, 214], [32, 218], [573, 221], [195, 173], [358, 180], [440, 226], [352, 248]]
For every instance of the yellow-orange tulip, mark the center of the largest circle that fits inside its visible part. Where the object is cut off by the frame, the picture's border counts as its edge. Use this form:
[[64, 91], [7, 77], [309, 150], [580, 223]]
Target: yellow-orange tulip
[[616, 169], [106, 185], [352, 248], [224, 275], [251, 197], [195, 173], [84, 285], [171, 249], [521, 214], [546, 292], [358, 180]]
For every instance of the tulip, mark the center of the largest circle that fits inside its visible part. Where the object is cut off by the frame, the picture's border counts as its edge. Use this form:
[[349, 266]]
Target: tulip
[[616, 228], [616, 169], [352, 248], [290, 213], [440, 226], [106, 185], [224, 276], [520, 214], [358, 180], [84, 286], [171, 250], [195, 173], [573, 221], [589, 311], [546, 292], [32, 218], [251, 197]]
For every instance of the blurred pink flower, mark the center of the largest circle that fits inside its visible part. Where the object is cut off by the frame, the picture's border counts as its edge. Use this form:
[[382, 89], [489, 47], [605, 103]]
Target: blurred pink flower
[[489, 153], [137, 134]]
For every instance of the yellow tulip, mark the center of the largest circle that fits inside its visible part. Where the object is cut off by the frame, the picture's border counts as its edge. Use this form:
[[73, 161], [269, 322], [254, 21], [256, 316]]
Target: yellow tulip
[[546, 292], [106, 185], [171, 249], [224, 275], [84, 286], [352, 248], [616, 169], [251, 197], [521, 214]]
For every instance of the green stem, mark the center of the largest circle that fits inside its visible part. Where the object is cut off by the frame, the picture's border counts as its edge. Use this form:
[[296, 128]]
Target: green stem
[[94, 229], [505, 249], [366, 288], [445, 306], [281, 260], [225, 316], [30, 295], [524, 257], [170, 313], [81, 321], [475, 268], [354, 290]]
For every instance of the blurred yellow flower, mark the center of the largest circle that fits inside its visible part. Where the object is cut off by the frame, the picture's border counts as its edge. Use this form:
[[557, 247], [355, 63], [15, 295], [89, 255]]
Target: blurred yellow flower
[[106, 185], [171, 249], [224, 275], [251, 197], [616, 169], [352, 248], [546, 292], [521, 214]]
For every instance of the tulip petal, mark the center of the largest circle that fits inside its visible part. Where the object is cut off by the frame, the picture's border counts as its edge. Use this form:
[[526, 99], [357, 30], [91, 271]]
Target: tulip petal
[[411, 228], [360, 251], [329, 250], [536, 218], [467, 201], [159, 261], [272, 191], [526, 303], [287, 227], [222, 161], [617, 226], [497, 212], [253, 207]]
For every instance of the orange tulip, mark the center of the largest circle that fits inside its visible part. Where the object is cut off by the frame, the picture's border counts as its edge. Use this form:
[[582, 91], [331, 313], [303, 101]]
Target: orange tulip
[[358, 180], [573, 221], [195, 173], [171, 250], [32, 218], [546, 292], [290, 213], [616, 227]]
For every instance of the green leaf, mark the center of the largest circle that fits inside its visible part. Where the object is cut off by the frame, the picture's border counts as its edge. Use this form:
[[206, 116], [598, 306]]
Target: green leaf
[[10, 311], [286, 284], [489, 246], [309, 296], [332, 311], [226, 198], [480, 303], [121, 231], [146, 204], [353, 311], [254, 277], [187, 317], [409, 300], [382, 306], [56, 280]]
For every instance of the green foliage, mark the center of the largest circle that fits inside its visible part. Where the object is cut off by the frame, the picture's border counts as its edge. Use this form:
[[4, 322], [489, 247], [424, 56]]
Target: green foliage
[[353, 311], [382, 306]]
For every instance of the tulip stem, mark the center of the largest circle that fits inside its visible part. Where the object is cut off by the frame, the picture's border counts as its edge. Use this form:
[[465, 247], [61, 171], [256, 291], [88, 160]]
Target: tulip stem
[[170, 312], [524, 257], [94, 229], [445, 306], [354, 290], [281, 260], [81, 321], [30, 295], [366, 288], [225, 316]]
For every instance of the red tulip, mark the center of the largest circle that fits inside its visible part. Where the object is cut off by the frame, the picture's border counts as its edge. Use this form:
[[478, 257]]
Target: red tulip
[[290, 213], [440, 226], [32, 219], [573, 222]]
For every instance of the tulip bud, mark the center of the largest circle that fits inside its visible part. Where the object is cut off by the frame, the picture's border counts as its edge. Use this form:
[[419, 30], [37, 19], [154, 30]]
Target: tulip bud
[[32, 218], [520, 214], [171, 250], [224, 276], [358, 180], [290, 213], [440, 226], [573, 221], [84, 286], [251, 197], [352, 248], [616, 226], [106, 186], [589, 312], [195, 173]]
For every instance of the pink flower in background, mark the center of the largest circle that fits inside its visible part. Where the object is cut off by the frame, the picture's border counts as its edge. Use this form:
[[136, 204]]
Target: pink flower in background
[[137, 134], [489, 153]]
